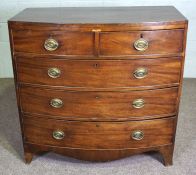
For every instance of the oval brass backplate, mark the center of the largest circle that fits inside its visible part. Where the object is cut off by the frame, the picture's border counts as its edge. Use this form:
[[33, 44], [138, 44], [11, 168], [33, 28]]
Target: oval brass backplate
[[58, 135], [51, 44], [138, 103], [141, 44], [54, 72], [140, 73], [137, 135], [56, 103]]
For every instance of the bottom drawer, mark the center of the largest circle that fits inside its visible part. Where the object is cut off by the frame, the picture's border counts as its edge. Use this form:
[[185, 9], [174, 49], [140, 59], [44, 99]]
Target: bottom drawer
[[98, 135]]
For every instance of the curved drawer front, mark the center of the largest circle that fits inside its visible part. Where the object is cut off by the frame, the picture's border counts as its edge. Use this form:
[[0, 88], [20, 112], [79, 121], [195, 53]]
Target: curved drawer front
[[99, 73], [53, 42], [99, 105], [129, 43], [99, 135]]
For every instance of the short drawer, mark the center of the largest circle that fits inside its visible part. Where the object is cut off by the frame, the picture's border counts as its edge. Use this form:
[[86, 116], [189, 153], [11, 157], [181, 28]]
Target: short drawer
[[141, 42], [99, 73], [99, 135], [53, 42], [99, 105]]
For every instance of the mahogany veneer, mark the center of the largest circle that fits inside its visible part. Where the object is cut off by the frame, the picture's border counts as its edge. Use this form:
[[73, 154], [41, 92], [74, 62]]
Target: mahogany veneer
[[98, 84]]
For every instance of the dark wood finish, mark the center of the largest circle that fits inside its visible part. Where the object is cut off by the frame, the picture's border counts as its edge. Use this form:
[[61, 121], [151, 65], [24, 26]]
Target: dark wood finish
[[94, 155], [99, 105], [28, 155], [97, 60], [167, 154], [99, 73], [101, 15], [122, 43], [106, 135]]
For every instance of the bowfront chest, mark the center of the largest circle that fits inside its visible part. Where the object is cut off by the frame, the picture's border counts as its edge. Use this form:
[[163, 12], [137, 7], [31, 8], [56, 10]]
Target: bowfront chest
[[98, 84]]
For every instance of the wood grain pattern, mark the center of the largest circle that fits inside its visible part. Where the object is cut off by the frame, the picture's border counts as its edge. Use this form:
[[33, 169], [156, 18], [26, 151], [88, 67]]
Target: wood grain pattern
[[122, 43], [97, 60], [99, 105], [99, 15], [100, 155], [106, 135], [70, 43], [99, 73]]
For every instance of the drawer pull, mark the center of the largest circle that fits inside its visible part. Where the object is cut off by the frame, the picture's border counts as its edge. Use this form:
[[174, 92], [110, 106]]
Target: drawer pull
[[58, 135], [141, 44], [138, 103], [140, 73], [56, 103], [54, 72], [137, 135], [51, 44]]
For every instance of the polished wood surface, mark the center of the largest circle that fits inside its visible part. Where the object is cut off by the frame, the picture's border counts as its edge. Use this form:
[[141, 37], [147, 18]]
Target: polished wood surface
[[70, 43], [99, 135], [99, 105], [97, 15], [122, 43], [97, 60], [99, 73]]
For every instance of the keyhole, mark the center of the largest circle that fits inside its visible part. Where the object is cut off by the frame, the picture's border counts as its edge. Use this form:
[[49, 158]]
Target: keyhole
[[141, 35], [96, 65]]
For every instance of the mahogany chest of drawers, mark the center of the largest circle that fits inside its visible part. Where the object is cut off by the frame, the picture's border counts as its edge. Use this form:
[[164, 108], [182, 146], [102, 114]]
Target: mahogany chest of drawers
[[98, 84]]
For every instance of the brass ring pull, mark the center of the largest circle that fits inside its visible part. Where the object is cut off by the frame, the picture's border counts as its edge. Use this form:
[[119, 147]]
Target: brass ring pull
[[54, 72], [58, 135], [138, 103], [140, 73], [56, 103], [137, 135], [51, 44], [141, 44]]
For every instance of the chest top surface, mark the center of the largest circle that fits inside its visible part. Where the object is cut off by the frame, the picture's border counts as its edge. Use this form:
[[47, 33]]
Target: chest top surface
[[101, 15]]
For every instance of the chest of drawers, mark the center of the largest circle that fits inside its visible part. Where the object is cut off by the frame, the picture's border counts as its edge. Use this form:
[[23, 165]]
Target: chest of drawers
[[98, 84]]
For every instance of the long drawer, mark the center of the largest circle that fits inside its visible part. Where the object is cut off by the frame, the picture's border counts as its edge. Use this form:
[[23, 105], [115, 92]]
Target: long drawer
[[106, 135], [99, 105], [99, 73]]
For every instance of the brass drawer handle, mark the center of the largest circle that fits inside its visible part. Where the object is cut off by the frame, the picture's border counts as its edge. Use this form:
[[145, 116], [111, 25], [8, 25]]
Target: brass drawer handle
[[54, 72], [138, 103], [141, 44], [51, 44], [56, 103], [58, 135], [140, 73], [137, 135]]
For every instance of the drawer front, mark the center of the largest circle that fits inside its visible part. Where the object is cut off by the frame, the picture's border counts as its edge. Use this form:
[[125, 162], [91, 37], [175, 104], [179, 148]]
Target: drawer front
[[53, 42], [99, 135], [99, 105], [156, 42], [99, 73]]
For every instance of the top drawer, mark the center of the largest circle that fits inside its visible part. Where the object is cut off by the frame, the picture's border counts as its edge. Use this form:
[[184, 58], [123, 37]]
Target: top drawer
[[141, 42], [53, 42]]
